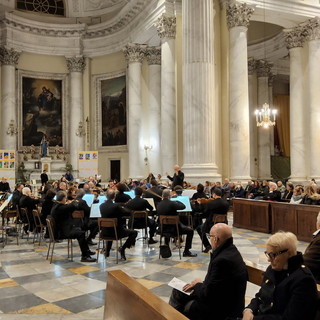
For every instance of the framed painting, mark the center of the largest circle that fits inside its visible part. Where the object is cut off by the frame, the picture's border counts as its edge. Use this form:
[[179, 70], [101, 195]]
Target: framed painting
[[111, 107], [41, 99]]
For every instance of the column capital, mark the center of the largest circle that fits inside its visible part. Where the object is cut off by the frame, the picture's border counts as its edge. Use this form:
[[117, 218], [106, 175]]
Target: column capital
[[134, 52], [238, 15], [263, 68], [153, 55], [76, 64], [166, 27], [311, 30], [9, 56], [294, 37], [251, 65]]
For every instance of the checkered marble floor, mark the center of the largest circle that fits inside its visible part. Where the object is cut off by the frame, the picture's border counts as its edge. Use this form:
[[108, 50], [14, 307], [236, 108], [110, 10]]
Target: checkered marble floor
[[31, 288]]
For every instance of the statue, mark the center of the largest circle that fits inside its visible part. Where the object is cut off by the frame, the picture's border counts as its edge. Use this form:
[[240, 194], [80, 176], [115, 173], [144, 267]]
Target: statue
[[44, 146]]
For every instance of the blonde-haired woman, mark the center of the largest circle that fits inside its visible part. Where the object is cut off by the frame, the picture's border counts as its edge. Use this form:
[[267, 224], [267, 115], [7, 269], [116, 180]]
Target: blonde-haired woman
[[288, 290]]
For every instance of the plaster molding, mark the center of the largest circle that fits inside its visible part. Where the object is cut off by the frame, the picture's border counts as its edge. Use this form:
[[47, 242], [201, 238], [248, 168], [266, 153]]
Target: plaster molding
[[134, 52], [153, 55], [9, 56], [294, 38], [76, 64], [166, 26]]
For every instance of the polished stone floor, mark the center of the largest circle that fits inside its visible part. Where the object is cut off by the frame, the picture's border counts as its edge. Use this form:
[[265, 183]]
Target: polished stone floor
[[32, 288]]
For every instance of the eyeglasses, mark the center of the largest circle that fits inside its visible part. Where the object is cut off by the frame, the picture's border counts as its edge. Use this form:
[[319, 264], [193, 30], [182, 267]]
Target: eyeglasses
[[209, 236], [273, 255]]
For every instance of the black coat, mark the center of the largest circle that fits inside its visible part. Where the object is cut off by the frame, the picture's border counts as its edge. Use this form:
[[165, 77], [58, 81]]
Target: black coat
[[177, 179], [169, 208], [312, 256], [122, 197], [288, 294], [222, 292], [214, 207]]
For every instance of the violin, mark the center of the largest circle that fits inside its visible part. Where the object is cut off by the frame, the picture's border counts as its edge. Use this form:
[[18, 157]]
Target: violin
[[204, 200]]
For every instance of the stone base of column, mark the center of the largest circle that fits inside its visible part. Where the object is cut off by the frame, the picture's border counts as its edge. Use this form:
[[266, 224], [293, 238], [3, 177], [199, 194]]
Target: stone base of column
[[199, 173]]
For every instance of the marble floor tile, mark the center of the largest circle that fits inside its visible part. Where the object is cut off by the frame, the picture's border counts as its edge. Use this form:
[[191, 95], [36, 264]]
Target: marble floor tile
[[45, 309], [149, 284], [58, 294], [6, 283], [83, 269], [22, 302]]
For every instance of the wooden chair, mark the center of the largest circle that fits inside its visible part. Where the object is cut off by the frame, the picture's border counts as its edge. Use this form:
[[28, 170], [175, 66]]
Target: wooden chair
[[108, 223], [51, 227], [39, 226], [140, 215], [220, 218], [170, 221], [24, 214]]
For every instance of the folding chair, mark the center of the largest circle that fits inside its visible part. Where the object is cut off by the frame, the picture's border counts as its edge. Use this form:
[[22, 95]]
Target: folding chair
[[6, 228], [39, 227], [140, 215]]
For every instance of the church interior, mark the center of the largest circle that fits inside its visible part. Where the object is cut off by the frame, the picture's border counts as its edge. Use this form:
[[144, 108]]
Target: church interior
[[146, 85]]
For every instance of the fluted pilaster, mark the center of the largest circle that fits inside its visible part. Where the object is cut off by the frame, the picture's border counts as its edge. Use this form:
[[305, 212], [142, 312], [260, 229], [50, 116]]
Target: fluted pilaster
[[134, 54]]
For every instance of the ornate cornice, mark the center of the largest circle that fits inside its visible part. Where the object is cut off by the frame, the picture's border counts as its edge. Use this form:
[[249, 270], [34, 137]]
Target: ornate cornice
[[153, 55], [76, 64], [311, 29], [238, 15], [134, 52], [9, 56], [251, 65], [294, 38], [263, 68], [166, 27]]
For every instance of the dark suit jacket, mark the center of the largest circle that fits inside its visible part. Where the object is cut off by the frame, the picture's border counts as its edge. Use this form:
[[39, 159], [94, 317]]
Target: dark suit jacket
[[214, 207], [109, 209], [65, 225], [138, 204], [152, 193], [44, 178], [312, 256], [169, 208], [122, 198], [221, 294], [28, 203], [177, 179], [288, 294]]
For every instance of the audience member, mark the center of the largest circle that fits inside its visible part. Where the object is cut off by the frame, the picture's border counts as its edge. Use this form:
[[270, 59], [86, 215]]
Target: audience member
[[280, 186], [4, 185], [288, 290], [16, 195], [273, 194], [312, 254], [154, 192], [69, 176], [248, 189], [287, 195], [221, 294], [44, 177], [169, 208], [297, 195], [226, 189], [47, 207], [239, 191]]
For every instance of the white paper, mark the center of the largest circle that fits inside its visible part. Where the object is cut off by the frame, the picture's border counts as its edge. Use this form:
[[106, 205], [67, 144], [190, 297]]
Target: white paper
[[179, 284]]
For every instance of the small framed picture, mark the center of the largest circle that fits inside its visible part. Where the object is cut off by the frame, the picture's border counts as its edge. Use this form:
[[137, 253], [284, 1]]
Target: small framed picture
[[37, 165]]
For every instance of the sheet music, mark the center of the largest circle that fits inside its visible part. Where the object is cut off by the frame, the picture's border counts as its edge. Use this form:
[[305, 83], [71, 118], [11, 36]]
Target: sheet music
[[179, 284]]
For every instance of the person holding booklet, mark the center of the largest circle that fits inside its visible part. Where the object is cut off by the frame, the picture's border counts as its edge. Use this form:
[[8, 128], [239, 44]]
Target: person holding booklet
[[221, 294]]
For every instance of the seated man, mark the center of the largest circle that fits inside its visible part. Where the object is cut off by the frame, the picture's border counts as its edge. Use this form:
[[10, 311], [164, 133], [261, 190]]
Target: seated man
[[139, 204], [274, 194], [29, 203], [109, 209], [169, 208], [221, 294], [215, 207], [88, 224], [154, 192], [66, 227], [311, 256]]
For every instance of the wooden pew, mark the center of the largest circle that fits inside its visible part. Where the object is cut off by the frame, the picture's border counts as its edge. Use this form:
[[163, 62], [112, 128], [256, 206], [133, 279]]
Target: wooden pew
[[127, 299]]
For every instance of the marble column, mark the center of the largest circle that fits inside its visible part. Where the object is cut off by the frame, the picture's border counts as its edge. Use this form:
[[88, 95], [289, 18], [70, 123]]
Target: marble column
[[298, 129], [199, 103], [76, 66], [153, 55], [9, 59], [312, 31], [264, 149], [238, 16], [135, 54], [166, 27], [252, 83]]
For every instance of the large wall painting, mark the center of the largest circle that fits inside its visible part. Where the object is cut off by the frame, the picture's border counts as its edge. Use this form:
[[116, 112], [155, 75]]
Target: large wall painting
[[41, 111], [113, 111]]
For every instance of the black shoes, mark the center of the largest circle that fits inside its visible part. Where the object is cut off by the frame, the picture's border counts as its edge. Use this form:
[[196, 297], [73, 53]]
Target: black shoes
[[87, 259], [152, 241], [123, 255], [189, 254], [91, 243], [91, 253], [207, 249]]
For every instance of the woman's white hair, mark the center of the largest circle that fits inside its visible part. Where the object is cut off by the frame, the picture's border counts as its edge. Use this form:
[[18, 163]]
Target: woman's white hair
[[284, 240]]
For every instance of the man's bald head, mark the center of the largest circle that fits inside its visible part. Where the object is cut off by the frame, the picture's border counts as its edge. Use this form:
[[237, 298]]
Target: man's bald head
[[220, 232]]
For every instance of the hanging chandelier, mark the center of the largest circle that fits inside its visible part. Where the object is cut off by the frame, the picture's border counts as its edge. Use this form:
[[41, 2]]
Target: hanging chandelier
[[266, 117]]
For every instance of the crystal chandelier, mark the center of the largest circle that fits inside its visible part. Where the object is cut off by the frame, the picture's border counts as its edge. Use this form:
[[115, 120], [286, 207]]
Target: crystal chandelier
[[266, 117]]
